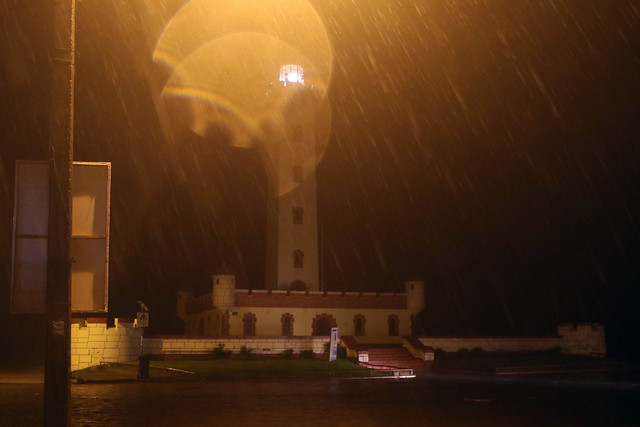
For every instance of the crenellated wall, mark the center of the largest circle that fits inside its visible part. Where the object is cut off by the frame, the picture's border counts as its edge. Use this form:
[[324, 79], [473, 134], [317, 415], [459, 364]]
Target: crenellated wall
[[93, 343], [186, 345], [453, 344], [299, 299], [583, 338], [580, 338], [268, 322], [202, 316]]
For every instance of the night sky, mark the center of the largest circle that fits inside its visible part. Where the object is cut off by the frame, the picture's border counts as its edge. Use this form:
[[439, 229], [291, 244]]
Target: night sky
[[490, 147]]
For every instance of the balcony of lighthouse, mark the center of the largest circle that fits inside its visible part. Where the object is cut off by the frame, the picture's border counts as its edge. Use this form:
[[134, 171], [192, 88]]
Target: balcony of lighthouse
[[291, 74]]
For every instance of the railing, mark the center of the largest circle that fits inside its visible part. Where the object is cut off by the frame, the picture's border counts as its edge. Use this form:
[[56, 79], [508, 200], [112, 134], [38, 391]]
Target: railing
[[397, 371]]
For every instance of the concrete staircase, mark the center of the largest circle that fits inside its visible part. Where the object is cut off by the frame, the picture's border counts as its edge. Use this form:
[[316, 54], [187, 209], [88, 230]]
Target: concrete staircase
[[393, 356]]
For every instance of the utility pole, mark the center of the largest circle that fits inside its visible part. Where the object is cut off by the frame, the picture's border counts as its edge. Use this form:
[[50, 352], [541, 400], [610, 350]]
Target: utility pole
[[58, 312]]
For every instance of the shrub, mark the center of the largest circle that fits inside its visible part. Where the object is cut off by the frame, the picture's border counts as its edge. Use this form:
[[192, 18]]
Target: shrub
[[477, 351], [287, 354], [342, 350], [245, 353], [220, 353], [306, 354]]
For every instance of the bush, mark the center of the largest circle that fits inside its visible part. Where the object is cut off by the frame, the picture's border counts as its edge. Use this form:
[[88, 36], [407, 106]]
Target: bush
[[306, 354], [287, 354], [342, 350], [245, 353], [477, 351], [220, 353]]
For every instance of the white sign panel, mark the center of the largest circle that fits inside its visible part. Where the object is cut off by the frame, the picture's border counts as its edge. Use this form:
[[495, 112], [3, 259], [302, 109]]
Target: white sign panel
[[333, 348], [30, 237], [91, 188], [143, 319]]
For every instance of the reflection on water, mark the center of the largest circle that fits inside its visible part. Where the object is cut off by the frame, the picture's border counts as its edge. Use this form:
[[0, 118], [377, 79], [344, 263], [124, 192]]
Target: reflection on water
[[350, 403]]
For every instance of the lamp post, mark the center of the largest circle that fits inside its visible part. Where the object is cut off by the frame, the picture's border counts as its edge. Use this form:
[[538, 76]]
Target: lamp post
[[58, 306]]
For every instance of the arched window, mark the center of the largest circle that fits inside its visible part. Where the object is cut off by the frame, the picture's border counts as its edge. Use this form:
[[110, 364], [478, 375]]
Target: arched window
[[249, 323], [393, 325], [322, 324], [297, 215], [298, 258], [287, 324], [225, 328], [358, 325]]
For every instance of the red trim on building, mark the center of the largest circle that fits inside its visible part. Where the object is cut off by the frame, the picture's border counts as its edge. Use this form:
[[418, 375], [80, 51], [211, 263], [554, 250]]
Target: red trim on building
[[302, 300], [98, 320]]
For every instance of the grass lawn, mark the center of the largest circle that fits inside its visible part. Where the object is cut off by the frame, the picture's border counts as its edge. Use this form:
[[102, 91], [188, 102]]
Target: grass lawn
[[229, 369]]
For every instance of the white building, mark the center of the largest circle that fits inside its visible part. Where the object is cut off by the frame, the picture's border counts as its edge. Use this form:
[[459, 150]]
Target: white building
[[370, 317]]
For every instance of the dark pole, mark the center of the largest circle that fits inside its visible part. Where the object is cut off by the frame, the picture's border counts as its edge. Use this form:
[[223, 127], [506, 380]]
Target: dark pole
[[58, 318]]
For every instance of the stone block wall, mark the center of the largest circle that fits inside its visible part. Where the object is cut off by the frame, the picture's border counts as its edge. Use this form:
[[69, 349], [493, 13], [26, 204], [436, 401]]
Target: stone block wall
[[185, 345], [453, 344], [572, 338], [92, 343], [583, 338]]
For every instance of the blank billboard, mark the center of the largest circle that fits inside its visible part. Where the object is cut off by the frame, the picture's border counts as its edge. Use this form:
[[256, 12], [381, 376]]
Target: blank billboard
[[91, 188]]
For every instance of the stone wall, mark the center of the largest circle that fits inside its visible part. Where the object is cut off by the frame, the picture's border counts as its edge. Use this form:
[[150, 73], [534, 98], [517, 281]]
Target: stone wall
[[185, 345], [453, 344], [572, 338], [583, 338], [93, 343]]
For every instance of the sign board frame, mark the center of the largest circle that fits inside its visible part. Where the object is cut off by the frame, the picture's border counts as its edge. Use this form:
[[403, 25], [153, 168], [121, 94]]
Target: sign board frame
[[333, 346], [89, 240]]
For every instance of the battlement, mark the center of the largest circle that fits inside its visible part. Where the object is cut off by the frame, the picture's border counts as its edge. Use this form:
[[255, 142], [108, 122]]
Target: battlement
[[199, 304], [301, 299]]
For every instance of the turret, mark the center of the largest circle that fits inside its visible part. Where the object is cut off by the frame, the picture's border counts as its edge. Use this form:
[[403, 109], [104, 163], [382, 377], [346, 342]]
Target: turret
[[224, 286], [414, 287], [181, 304]]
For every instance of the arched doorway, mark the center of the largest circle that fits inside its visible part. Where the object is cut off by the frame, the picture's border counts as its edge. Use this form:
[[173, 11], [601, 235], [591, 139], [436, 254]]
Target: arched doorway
[[322, 324], [249, 324], [393, 325], [287, 324], [358, 325]]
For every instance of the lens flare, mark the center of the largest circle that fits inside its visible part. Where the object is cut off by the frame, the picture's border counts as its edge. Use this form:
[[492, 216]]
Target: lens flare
[[240, 65]]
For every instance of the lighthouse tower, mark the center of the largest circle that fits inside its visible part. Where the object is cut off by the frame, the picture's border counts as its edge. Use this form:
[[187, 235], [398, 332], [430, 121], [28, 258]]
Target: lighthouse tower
[[292, 223]]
